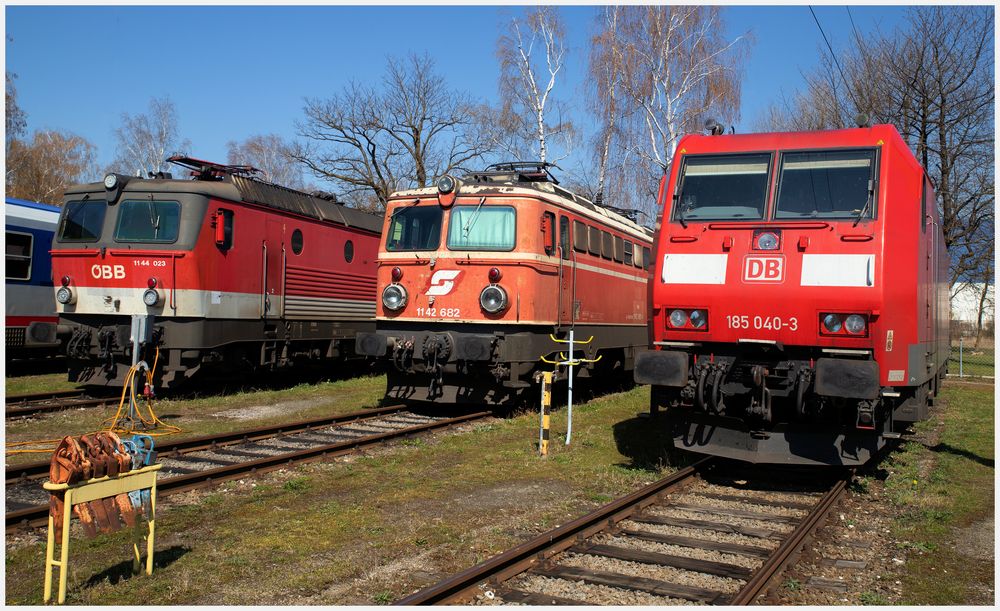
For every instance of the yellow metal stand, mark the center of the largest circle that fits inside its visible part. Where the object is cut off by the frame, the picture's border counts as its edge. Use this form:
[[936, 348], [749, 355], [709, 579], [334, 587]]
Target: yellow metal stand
[[90, 490]]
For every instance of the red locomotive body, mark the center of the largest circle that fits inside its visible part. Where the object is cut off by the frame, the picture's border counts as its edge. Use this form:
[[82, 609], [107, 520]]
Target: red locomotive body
[[474, 276], [224, 273], [799, 302]]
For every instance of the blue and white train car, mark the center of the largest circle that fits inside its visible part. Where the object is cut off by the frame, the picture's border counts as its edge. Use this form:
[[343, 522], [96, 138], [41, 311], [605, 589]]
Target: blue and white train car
[[32, 323]]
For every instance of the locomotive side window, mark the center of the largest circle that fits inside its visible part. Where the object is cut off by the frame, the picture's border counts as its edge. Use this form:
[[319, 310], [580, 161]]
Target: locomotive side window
[[646, 256], [482, 228], [549, 232], [348, 251], [297, 241], [595, 241], [607, 245], [564, 236], [148, 221], [628, 252], [82, 221], [827, 185], [19, 255], [579, 236], [722, 187], [619, 249], [416, 228]]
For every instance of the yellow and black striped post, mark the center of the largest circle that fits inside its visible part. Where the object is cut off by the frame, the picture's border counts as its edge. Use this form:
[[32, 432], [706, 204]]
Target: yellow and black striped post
[[543, 432]]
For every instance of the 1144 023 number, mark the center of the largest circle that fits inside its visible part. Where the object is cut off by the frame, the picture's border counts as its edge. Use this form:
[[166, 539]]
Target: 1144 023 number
[[775, 323]]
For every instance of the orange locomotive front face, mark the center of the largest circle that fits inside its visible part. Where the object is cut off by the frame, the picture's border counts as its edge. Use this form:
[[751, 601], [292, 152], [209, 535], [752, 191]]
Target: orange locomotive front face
[[472, 283], [791, 288]]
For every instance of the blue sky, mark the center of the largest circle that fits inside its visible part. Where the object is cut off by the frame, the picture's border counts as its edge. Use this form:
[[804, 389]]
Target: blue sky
[[237, 71]]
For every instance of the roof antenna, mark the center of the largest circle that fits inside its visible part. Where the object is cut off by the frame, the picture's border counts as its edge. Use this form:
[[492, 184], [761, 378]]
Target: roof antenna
[[713, 127]]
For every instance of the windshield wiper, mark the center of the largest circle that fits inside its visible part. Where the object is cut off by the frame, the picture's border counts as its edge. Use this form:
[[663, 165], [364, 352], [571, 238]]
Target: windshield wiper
[[402, 208], [472, 219], [864, 208], [154, 219]]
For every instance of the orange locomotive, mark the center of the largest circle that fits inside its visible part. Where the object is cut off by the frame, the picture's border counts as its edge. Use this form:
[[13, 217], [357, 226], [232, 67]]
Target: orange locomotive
[[475, 274], [799, 307]]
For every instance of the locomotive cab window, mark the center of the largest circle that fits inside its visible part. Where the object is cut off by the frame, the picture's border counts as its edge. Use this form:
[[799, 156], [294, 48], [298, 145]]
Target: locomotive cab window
[[82, 221], [722, 187], [19, 255], [827, 185], [414, 228], [564, 236], [482, 228], [148, 221]]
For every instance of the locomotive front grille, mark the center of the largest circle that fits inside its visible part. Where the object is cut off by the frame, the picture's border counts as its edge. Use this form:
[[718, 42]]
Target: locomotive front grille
[[15, 337]]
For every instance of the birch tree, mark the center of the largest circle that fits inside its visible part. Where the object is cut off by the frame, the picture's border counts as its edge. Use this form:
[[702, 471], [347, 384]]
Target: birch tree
[[531, 122], [145, 141], [47, 164], [272, 155]]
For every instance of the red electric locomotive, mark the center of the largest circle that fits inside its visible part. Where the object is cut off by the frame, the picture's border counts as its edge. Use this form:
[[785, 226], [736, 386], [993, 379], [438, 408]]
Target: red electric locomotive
[[476, 274], [223, 273], [799, 302]]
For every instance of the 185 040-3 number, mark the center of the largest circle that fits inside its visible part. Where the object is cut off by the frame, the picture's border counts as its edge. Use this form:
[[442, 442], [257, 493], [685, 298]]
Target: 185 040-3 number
[[775, 323]]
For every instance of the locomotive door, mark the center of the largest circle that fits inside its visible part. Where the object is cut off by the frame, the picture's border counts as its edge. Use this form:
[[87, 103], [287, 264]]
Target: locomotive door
[[273, 258]]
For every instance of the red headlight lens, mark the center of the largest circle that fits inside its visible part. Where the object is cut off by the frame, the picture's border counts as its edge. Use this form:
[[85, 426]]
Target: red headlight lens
[[151, 283], [397, 274], [494, 274], [65, 280]]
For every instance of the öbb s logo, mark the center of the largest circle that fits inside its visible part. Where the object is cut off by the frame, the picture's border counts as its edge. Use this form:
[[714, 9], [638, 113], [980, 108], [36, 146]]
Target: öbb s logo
[[107, 272], [443, 281], [763, 269]]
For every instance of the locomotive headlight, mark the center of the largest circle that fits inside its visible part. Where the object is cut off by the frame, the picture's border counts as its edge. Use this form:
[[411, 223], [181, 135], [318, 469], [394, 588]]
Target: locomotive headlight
[[855, 324], [394, 297], [65, 295], [493, 299], [151, 297], [678, 318], [767, 241], [446, 184], [698, 319], [832, 323]]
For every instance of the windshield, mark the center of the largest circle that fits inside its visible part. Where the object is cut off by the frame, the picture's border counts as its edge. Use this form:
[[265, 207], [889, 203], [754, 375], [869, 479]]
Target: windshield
[[722, 187], [82, 221], [481, 228], [148, 221], [414, 228], [827, 184]]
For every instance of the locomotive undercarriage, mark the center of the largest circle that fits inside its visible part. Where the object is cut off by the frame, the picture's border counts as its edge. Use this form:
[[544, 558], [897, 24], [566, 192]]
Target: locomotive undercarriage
[[100, 352], [771, 405], [470, 364]]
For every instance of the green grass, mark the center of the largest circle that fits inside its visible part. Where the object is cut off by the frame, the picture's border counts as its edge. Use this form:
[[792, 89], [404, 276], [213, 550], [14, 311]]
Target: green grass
[[453, 501], [940, 490], [50, 382]]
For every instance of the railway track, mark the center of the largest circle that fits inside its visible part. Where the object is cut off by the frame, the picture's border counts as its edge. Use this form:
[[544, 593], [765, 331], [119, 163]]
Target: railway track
[[698, 535], [206, 461], [24, 406]]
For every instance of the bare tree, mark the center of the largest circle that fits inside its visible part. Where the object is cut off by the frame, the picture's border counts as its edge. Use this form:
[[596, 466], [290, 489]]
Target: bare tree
[[145, 141], [47, 165], [16, 120], [531, 54], [659, 72], [369, 141], [272, 155]]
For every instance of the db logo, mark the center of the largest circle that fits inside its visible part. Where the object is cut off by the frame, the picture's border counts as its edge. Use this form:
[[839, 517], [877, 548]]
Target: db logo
[[763, 269], [443, 281], [107, 272]]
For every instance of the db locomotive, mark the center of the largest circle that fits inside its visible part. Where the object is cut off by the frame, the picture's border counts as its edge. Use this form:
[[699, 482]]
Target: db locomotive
[[32, 324], [219, 274], [799, 300], [478, 275]]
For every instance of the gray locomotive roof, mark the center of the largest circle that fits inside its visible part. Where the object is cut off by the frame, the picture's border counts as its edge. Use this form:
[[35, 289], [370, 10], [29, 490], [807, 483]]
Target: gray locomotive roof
[[238, 188]]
